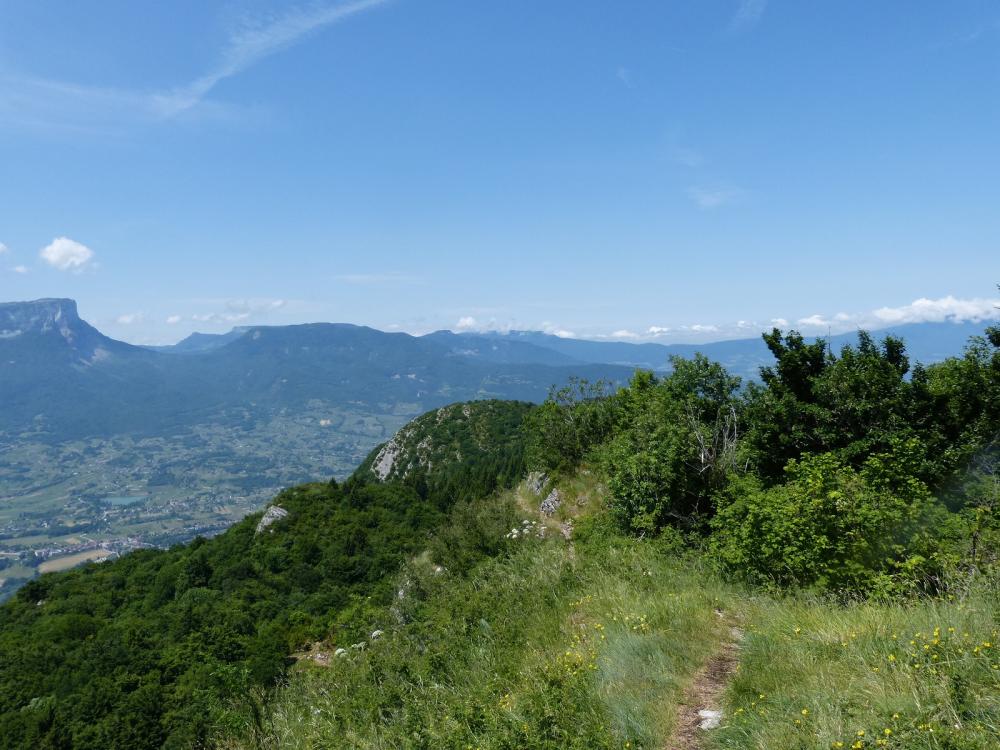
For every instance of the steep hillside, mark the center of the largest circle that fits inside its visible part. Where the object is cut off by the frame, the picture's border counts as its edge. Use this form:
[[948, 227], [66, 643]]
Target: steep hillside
[[451, 438], [163, 648]]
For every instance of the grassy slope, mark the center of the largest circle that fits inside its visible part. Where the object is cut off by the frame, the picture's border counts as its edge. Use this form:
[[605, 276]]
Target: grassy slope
[[590, 645], [908, 675], [552, 645]]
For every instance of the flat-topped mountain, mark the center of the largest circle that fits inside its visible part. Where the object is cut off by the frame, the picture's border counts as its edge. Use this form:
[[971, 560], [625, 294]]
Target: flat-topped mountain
[[52, 328]]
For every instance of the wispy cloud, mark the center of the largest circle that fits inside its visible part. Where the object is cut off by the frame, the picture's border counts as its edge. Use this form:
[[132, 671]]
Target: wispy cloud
[[237, 311], [255, 42], [747, 15], [948, 309], [3, 248], [34, 102], [707, 198], [555, 330], [20, 269], [624, 75], [687, 157]]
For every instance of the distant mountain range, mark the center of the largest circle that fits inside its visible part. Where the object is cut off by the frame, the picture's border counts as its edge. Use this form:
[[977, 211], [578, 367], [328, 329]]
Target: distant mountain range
[[925, 342], [62, 378]]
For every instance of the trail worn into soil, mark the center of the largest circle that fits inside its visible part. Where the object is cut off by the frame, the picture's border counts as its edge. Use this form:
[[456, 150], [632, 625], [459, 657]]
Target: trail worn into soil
[[700, 708]]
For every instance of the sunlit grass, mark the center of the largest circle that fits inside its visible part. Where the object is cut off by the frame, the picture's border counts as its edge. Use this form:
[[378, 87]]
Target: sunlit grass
[[913, 675], [591, 644], [546, 648]]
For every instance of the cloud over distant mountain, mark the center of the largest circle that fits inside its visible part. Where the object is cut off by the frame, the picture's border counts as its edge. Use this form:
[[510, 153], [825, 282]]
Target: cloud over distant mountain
[[65, 254]]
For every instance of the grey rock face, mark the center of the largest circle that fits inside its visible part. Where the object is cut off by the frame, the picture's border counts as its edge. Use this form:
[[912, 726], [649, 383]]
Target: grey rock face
[[272, 514], [551, 503]]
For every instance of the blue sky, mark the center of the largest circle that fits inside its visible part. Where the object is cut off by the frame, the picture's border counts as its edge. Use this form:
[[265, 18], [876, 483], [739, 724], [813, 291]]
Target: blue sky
[[670, 170]]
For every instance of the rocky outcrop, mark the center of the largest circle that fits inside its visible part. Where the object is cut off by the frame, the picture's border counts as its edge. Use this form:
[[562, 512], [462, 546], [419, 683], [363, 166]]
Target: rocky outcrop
[[551, 503], [272, 514]]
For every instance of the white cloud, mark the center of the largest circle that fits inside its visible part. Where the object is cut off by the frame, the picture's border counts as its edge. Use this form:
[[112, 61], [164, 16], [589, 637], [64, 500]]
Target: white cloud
[[3, 248], [747, 15], [923, 310], [254, 306], [625, 76], [221, 317], [20, 269], [129, 318], [813, 321], [941, 310], [173, 319], [714, 197], [466, 323], [944, 309], [65, 254], [554, 330]]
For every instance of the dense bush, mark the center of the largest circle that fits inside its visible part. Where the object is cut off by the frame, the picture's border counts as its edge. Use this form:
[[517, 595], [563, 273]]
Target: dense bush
[[573, 421], [831, 526], [674, 444]]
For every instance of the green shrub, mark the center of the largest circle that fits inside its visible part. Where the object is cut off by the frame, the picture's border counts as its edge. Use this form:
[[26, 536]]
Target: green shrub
[[832, 527]]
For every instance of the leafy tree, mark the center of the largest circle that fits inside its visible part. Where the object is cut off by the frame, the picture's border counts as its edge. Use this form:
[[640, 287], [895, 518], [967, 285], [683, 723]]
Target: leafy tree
[[674, 444], [573, 420]]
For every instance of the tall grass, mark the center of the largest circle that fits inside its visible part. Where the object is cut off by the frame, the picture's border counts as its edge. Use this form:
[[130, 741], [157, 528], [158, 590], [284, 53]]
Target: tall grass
[[546, 647], [591, 643], [916, 674]]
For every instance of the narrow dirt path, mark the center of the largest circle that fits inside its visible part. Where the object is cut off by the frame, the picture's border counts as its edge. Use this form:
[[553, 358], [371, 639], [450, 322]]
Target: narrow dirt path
[[700, 708]]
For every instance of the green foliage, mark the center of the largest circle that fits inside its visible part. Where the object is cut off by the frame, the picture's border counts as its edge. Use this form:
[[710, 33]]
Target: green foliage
[[856, 404], [146, 651], [822, 475], [573, 420], [831, 526], [458, 452], [674, 445]]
